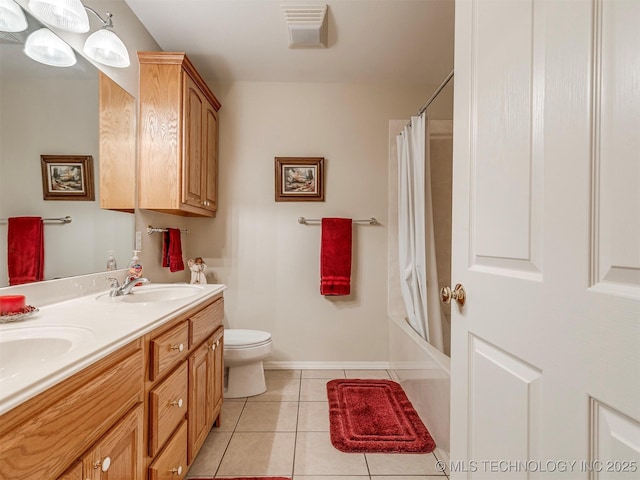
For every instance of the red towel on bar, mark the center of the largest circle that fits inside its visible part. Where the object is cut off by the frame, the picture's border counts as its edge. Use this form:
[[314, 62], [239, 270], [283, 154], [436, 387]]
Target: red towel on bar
[[25, 248], [166, 241], [175, 250], [335, 256]]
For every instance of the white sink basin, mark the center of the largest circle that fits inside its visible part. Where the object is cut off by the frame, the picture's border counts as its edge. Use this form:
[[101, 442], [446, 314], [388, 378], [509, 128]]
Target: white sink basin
[[154, 293], [26, 348]]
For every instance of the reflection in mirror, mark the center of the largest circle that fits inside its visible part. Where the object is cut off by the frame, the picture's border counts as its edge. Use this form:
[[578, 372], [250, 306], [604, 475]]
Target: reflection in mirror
[[49, 110]]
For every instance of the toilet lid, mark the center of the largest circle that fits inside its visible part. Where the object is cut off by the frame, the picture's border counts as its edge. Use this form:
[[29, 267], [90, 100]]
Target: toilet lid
[[239, 338]]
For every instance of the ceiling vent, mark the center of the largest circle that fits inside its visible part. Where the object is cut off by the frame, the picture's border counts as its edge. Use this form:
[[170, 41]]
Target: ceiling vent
[[307, 25]]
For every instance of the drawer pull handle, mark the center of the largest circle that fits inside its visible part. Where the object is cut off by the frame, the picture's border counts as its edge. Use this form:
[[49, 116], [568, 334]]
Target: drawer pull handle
[[179, 347], [176, 403], [104, 465], [177, 471], [212, 347]]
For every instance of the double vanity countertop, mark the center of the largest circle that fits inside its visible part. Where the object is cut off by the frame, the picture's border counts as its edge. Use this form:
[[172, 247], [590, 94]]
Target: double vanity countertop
[[65, 337]]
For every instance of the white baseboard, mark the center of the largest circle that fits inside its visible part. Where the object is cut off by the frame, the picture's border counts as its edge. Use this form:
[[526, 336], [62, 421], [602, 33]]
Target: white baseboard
[[326, 365]]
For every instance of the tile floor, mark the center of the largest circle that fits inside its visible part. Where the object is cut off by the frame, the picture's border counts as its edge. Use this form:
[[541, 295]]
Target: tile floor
[[285, 432]]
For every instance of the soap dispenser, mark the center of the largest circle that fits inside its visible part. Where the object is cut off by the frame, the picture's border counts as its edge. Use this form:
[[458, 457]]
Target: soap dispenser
[[111, 261], [135, 267]]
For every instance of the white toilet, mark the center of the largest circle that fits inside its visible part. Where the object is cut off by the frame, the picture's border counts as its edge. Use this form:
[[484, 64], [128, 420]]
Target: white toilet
[[244, 351]]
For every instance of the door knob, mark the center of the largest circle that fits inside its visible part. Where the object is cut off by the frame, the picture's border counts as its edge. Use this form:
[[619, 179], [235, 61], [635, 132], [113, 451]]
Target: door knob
[[458, 294]]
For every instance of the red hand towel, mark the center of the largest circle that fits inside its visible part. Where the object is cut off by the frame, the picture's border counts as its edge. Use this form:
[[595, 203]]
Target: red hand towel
[[25, 248], [335, 256], [166, 241], [175, 251]]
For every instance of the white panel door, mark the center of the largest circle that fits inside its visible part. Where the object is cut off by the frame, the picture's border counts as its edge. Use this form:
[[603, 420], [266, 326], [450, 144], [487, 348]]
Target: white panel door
[[545, 361]]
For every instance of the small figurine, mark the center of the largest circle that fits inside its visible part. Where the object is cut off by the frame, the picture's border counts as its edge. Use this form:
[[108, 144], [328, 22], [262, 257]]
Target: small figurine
[[197, 268]]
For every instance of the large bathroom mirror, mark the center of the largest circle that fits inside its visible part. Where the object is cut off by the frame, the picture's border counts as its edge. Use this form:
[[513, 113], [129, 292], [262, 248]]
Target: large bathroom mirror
[[47, 110]]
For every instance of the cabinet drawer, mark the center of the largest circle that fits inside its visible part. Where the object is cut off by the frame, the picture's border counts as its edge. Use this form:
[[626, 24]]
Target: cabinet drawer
[[168, 349], [171, 464], [205, 322], [167, 408]]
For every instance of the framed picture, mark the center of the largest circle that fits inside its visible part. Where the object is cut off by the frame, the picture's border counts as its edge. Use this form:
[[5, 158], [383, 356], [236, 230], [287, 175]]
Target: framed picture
[[67, 177], [299, 179]]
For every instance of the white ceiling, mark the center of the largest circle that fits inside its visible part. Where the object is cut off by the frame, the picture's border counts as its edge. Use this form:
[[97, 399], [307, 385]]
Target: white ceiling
[[381, 41]]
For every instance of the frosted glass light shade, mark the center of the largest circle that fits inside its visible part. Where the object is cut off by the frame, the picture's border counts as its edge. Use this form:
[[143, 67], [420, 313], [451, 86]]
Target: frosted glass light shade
[[105, 47], [68, 15], [46, 47], [12, 17]]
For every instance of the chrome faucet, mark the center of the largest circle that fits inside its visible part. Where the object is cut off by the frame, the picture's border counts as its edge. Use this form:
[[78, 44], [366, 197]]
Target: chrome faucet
[[118, 290]]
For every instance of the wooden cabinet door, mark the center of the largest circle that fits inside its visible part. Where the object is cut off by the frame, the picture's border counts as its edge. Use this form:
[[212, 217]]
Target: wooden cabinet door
[[210, 158], [200, 397], [192, 162], [218, 376], [118, 454]]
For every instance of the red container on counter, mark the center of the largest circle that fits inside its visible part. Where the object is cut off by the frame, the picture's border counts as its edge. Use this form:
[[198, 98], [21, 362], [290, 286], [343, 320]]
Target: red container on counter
[[11, 304]]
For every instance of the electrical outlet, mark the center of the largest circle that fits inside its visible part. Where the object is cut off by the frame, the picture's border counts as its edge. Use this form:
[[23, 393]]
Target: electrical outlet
[[138, 241]]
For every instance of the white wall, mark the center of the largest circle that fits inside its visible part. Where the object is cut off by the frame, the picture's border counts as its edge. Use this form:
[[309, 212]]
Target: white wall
[[256, 246]]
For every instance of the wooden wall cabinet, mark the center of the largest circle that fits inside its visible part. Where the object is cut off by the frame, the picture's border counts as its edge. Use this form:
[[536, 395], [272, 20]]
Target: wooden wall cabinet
[[177, 137], [128, 416], [117, 125]]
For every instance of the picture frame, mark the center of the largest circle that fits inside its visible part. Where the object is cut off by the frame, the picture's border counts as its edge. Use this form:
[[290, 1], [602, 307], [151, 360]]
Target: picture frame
[[299, 179], [67, 177]]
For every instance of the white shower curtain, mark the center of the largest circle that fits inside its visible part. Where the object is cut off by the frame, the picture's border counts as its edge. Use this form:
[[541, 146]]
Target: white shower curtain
[[417, 255]]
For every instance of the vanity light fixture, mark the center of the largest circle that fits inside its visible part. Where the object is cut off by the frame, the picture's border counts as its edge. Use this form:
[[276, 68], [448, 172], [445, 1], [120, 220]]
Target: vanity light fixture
[[104, 46], [46, 47], [69, 15], [12, 17]]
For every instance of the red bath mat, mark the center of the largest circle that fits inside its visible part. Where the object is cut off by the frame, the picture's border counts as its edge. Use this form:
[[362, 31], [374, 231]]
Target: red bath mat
[[375, 416]]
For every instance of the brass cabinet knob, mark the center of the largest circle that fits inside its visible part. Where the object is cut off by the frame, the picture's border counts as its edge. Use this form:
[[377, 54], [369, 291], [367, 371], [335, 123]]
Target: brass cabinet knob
[[103, 465], [458, 294]]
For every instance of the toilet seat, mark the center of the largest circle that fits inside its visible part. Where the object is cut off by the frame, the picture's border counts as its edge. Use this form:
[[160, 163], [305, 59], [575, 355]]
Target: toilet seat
[[240, 338]]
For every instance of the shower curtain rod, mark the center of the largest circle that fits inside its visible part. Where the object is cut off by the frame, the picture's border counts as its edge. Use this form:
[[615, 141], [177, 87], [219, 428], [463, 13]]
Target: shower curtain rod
[[435, 94]]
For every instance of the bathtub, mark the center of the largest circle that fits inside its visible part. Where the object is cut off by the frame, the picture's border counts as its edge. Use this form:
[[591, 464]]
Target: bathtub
[[424, 374]]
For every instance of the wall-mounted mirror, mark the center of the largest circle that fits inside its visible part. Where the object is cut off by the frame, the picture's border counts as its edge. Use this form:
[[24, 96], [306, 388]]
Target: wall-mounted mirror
[[47, 110]]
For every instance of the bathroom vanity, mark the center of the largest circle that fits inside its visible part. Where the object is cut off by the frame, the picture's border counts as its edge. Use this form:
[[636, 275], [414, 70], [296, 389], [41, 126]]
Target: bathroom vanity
[[124, 388]]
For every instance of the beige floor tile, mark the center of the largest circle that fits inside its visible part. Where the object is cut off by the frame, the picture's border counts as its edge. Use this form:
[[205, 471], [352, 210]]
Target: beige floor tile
[[369, 374], [402, 464], [316, 456], [279, 390], [443, 457], [313, 417], [282, 373], [313, 390], [259, 454], [323, 374], [229, 415], [331, 477], [268, 417], [210, 455], [409, 477]]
